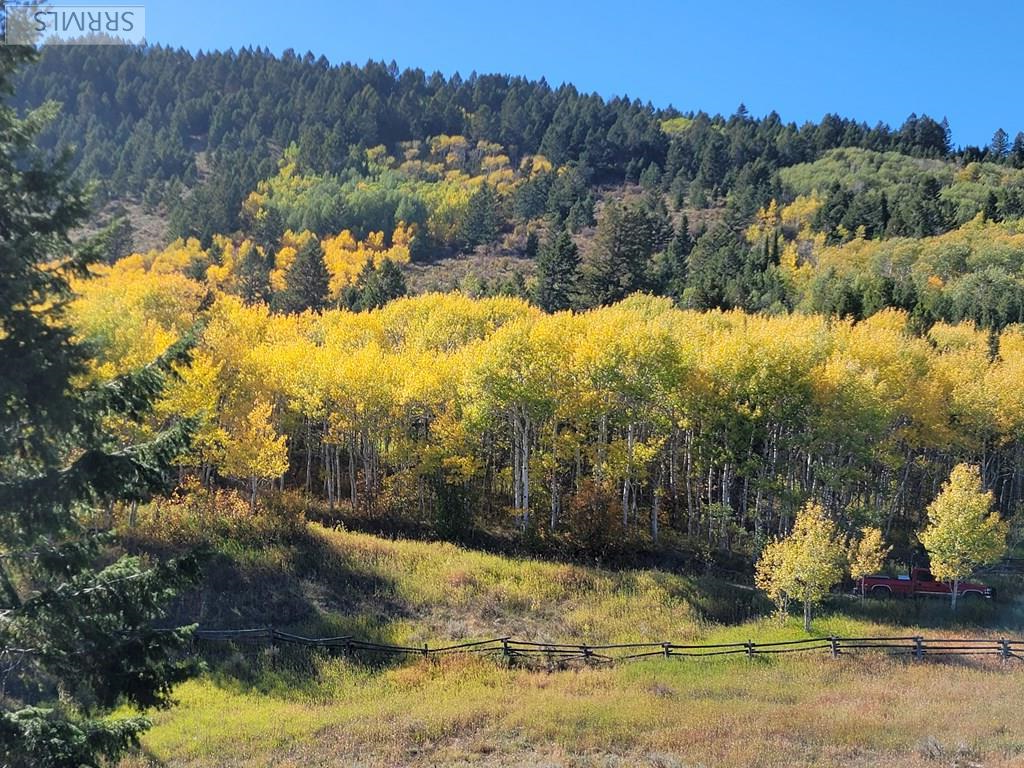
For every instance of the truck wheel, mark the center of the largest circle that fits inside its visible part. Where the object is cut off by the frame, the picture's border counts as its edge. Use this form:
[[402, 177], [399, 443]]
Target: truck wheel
[[880, 592]]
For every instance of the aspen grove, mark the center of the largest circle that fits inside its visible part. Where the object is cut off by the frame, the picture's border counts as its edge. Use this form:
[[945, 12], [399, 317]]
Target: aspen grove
[[633, 419]]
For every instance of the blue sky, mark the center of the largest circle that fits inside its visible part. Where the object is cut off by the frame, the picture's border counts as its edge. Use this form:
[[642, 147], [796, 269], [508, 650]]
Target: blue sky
[[865, 59]]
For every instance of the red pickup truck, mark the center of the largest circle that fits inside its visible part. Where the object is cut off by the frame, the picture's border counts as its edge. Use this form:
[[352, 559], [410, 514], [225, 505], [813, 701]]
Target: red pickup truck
[[919, 582]]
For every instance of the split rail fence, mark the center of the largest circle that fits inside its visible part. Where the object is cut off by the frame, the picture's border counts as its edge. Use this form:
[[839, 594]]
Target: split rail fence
[[561, 654]]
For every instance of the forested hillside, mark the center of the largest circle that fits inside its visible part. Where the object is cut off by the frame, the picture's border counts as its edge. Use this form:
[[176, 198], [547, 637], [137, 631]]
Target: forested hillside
[[565, 198], [866, 284]]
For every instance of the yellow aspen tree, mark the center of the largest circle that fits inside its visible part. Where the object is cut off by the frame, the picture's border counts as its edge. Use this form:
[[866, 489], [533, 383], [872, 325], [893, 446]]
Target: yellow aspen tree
[[806, 564], [867, 555], [255, 451], [962, 533]]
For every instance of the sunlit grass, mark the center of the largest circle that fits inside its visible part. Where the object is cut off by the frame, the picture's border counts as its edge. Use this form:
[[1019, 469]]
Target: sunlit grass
[[797, 711], [287, 708]]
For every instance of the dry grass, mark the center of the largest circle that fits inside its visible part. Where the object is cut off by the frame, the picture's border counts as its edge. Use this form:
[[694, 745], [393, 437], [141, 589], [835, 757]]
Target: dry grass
[[414, 592], [865, 711], [794, 710]]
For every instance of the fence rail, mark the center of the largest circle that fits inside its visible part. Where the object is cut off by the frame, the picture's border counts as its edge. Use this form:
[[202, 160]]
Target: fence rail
[[561, 654]]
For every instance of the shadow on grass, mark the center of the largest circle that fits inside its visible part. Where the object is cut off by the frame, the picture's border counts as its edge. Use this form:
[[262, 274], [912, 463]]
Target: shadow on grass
[[297, 584], [721, 602], [1005, 613]]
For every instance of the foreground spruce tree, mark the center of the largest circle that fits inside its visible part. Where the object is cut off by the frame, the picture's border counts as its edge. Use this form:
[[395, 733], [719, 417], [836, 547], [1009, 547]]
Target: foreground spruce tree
[[76, 624]]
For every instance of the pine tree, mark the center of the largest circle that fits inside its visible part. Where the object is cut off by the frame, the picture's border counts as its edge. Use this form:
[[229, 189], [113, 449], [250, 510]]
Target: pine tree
[[307, 281], [1000, 145], [76, 631], [1017, 151], [557, 273], [581, 214], [375, 286], [991, 208], [617, 265], [254, 276], [677, 261], [483, 218], [532, 245]]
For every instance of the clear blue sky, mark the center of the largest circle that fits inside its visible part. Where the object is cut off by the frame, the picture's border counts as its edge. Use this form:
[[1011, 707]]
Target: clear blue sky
[[865, 59]]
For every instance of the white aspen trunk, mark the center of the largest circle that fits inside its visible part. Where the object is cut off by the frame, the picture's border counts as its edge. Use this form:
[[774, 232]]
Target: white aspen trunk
[[353, 488], [517, 495], [309, 456], [626, 481], [554, 475], [656, 502], [688, 478], [367, 467], [956, 588], [554, 499], [328, 461], [673, 457], [525, 463]]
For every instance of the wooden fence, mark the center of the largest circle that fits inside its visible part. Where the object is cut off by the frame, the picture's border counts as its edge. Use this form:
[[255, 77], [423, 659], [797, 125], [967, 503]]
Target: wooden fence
[[560, 654]]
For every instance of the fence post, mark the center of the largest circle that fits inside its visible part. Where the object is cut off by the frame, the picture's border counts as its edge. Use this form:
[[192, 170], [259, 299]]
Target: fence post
[[504, 649], [834, 643], [587, 653], [750, 649], [666, 648], [918, 647], [1004, 649], [425, 651]]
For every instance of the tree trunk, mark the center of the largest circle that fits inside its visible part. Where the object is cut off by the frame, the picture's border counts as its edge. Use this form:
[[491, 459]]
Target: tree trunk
[[807, 615], [956, 588]]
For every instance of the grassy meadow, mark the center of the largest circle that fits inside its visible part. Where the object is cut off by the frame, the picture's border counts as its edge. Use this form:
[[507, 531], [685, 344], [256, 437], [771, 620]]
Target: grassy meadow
[[263, 707]]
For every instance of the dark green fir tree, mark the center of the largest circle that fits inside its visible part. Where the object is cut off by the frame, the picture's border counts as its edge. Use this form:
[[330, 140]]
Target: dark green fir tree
[[307, 281], [375, 286], [558, 265], [77, 634]]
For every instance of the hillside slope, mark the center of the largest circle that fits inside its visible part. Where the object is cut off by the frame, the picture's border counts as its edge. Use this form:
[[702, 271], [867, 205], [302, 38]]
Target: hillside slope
[[286, 708]]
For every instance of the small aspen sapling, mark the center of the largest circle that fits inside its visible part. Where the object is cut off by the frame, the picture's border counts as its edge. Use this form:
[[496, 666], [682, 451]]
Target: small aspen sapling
[[806, 564], [867, 555]]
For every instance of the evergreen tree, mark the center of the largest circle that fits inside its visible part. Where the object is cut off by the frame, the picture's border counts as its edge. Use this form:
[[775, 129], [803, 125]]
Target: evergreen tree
[[375, 286], [121, 240], [581, 214], [532, 245], [306, 282], [1017, 151], [1000, 146], [254, 276], [714, 266], [558, 266], [483, 218], [76, 630], [617, 265], [991, 209], [675, 263]]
